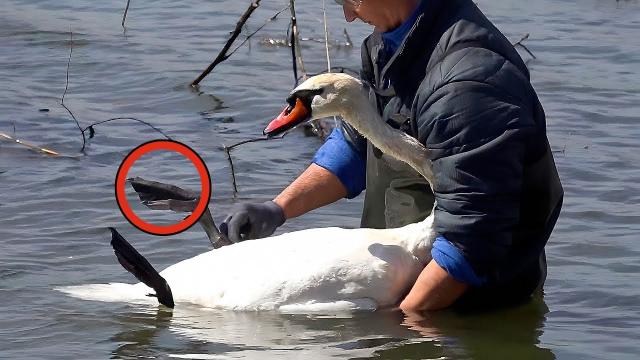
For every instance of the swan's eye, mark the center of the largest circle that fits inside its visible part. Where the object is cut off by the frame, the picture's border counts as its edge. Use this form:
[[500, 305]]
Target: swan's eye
[[289, 108], [306, 95], [291, 100]]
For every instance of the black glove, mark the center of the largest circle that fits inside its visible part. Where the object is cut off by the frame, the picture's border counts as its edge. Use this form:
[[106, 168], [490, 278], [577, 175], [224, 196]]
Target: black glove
[[252, 221]]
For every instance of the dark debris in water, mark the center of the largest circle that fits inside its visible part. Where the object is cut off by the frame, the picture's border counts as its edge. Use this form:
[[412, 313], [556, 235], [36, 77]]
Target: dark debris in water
[[206, 115], [8, 273]]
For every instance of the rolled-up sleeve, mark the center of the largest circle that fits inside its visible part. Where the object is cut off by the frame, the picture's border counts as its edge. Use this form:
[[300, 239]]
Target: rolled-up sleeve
[[477, 134], [342, 159], [451, 259]]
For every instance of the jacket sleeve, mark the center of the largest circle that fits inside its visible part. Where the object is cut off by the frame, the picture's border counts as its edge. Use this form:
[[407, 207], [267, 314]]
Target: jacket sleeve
[[342, 158], [477, 133]]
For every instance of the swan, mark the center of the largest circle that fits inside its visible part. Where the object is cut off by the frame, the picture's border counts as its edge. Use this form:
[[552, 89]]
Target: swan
[[321, 269]]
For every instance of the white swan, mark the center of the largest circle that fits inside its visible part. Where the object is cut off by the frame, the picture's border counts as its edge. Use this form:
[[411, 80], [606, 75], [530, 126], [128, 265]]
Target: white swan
[[323, 269]]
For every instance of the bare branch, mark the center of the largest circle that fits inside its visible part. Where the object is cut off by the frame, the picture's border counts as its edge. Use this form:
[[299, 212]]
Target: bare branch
[[227, 151], [233, 171], [273, 18], [326, 35], [31, 146], [222, 55], [126, 10], [90, 127], [296, 54], [519, 43], [66, 87], [348, 43]]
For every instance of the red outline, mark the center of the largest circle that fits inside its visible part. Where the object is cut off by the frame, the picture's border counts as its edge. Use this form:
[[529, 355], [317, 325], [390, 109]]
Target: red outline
[[121, 179]]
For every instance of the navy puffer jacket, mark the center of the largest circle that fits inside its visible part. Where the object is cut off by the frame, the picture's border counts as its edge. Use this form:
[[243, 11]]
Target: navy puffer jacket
[[466, 95]]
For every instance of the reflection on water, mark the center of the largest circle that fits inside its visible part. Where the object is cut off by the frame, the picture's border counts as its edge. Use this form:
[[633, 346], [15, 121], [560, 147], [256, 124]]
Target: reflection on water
[[383, 335], [491, 335]]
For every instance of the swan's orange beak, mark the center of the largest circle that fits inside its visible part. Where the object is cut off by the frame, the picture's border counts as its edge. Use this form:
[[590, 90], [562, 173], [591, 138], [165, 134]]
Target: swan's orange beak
[[290, 117]]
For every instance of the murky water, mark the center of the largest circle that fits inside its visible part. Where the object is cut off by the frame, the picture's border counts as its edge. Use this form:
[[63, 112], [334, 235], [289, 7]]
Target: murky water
[[54, 211]]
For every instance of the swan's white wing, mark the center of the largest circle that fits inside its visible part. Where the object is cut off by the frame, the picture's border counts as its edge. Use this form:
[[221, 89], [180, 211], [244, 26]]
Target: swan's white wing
[[326, 269], [311, 266]]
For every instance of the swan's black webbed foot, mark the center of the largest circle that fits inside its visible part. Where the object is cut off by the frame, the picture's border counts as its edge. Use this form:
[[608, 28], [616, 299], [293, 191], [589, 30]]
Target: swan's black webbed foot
[[137, 265], [160, 196]]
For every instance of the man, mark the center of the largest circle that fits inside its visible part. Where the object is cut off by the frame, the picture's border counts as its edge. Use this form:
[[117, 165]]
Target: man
[[440, 71]]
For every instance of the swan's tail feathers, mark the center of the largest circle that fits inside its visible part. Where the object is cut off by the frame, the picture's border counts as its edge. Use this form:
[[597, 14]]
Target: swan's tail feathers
[[136, 264]]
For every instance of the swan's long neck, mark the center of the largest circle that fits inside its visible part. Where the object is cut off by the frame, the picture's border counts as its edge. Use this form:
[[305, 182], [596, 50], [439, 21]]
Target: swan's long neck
[[365, 119]]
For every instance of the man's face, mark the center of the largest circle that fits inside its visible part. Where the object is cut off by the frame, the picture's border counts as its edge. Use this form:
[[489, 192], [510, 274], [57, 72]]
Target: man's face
[[372, 12]]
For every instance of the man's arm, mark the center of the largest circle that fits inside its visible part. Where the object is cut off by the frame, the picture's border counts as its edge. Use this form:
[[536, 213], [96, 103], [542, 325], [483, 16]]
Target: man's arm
[[337, 171], [314, 188], [435, 289]]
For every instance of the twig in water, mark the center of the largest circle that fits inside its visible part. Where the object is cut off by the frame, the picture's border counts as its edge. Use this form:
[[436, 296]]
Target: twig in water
[[222, 56], [227, 151], [295, 45], [292, 42], [273, 18], [233, 171], [315, 124], [89, 128], [326, 35], [348, 43], [66, 87], [126, 10], [92, 130], [519, 43], [31, 146]]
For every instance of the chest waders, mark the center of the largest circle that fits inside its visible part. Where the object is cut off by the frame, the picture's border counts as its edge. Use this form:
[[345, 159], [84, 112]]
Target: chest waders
[[396, 195]]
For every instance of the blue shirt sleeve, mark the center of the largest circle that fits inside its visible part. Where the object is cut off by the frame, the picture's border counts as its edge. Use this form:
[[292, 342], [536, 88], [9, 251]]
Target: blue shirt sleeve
[[450, 258], [344, 161]]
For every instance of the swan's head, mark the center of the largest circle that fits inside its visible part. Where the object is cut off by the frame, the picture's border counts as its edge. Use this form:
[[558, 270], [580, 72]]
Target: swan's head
[[319, 96]]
